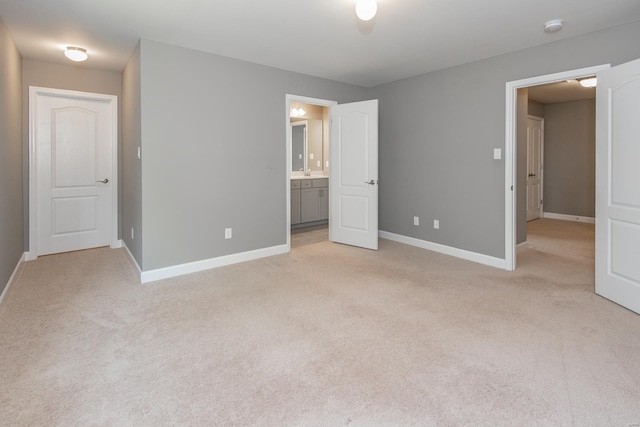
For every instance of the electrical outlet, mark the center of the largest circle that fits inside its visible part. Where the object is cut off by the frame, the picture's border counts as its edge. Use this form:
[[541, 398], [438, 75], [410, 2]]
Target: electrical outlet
[[416, 220], [319, 164], [436, 224], [227, 233], [497, 153], [131, 233], [327, 163]]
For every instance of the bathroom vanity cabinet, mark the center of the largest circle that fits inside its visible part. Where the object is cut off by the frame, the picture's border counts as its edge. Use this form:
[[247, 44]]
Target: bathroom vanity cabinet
[[309, 200]]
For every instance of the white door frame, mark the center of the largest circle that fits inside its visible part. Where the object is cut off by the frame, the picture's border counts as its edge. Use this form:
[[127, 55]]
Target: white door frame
[[34, 91], [304, 99], [510, 166]]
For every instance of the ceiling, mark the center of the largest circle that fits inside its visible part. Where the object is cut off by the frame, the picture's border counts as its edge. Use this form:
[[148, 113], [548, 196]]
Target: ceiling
[[562, 91], [316, 37]]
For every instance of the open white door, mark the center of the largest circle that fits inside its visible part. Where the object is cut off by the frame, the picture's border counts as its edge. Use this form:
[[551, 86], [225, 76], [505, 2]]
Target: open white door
[[618, 185], [354, 174]]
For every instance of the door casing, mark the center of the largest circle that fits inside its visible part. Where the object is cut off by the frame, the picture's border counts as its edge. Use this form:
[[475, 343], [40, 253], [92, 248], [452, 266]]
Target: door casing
[[34, 91]]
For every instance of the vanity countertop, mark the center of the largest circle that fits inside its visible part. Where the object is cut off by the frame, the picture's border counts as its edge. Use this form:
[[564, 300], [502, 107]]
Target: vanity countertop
[[309, 177]]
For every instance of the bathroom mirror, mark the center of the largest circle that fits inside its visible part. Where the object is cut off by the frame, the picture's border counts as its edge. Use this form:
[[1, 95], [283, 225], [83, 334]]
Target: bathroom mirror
[[306, 145], [298, 145]]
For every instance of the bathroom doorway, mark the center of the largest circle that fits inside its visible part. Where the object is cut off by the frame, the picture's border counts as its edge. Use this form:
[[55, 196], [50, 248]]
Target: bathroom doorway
[[308, 170]]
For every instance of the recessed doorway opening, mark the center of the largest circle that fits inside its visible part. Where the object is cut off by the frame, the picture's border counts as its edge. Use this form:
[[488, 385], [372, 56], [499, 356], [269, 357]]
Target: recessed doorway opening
[[515, 186], [307, 162]]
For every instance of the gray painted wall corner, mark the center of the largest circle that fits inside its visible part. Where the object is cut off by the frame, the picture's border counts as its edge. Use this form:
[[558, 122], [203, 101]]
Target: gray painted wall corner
[[131, 166]]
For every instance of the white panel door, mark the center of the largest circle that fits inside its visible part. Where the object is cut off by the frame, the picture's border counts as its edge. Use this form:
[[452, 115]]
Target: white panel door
[[535, 138], [73, 142], [354, 174], [618, 185]]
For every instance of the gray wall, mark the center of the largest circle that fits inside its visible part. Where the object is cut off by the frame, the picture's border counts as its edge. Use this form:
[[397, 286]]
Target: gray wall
[[535, 109], [131, 166], [438, 131], [11, 217], [68, 77], [206, 165], [569, 158]]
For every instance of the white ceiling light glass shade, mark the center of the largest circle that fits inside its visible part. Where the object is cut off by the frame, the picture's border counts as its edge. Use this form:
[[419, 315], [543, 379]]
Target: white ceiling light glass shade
[[297, 112], [76, 54], [589, 82], [366, 9]]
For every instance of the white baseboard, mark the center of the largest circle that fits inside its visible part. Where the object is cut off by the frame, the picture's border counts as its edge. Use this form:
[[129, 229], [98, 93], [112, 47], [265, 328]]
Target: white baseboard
[[521, 244], [207, 264], [132, 259], [117, 244], [564, 217], [12, 278], [447, 250]]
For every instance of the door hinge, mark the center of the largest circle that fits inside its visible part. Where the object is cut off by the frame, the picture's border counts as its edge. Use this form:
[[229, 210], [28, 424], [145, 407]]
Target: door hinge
[[512, 188], [540, 201]]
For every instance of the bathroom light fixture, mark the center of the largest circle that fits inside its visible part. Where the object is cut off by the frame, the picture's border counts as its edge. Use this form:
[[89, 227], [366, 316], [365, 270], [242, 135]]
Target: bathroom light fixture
[[366, 9], [553, 26], [76, 54], [297, 112], [588, 82]]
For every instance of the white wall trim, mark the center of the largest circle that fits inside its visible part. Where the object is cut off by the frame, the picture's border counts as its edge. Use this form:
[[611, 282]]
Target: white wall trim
[[34, 91], [12, 279], [443, 249], [133, 261], [565, 217], [207, 264], [510, 163]]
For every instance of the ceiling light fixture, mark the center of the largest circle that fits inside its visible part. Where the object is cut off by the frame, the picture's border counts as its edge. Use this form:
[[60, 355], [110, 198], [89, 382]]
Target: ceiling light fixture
[[588, 82], [297, 112], [366, 9], [553, 26], [76, 54]]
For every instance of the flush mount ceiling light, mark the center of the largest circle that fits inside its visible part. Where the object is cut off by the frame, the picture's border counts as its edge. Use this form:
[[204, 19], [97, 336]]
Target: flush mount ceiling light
[[589, 82], [553, 26], [366, 9], [76, 54], [297, 112]]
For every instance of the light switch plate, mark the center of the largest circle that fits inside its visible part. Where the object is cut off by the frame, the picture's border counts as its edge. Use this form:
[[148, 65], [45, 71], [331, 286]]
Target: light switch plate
[[497, 153]]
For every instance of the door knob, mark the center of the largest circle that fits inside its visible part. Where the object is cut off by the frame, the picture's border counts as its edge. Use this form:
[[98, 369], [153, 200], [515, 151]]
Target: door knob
[[372, 182], [104, 181], [532, 175]]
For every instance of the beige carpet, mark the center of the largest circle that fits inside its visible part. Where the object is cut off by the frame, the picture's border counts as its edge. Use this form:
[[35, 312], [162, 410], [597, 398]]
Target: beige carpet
[[326, 335]]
